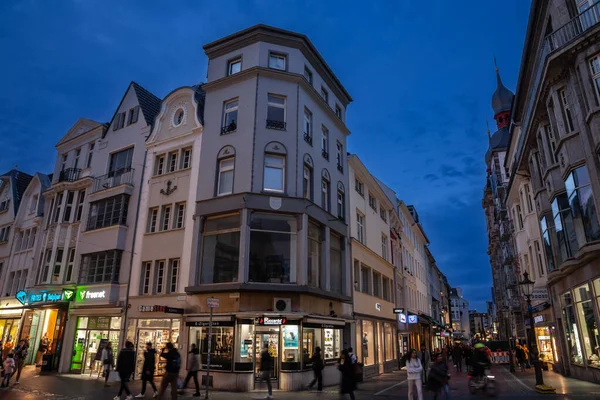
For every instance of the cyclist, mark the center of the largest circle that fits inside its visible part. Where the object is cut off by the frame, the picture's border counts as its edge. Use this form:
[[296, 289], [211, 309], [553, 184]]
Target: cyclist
[[480, 361]]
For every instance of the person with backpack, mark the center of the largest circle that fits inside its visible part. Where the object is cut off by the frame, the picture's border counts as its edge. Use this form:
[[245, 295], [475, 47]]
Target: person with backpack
[[266, 368], [125, 367], [193, 365], [317, 367], [9, 368], [108, 361], [148, 368], [348, 384], [172, 367]]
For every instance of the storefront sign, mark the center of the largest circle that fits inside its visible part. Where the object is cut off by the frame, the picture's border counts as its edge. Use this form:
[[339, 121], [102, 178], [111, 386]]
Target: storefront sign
[[206, 323], [402, 318], [539, 295], [271, 321], [538, 318], [378, 306], [212, 302], [324, 325], [44, 297], [165, 309], [413, 319], [83, 294], [68, 294], [398, 310], [21, 296]]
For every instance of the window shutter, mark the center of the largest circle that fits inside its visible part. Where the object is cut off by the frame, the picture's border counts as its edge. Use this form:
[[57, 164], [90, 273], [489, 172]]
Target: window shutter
[[136, 112]]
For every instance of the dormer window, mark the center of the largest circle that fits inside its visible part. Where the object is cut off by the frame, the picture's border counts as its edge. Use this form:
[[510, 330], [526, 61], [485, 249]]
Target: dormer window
[[277, 61]]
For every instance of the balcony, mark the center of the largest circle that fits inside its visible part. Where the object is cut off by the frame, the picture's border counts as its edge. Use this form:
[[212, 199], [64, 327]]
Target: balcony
[[69, 175], [555, 41], [308, 138], [274, 124], [229, 128], [123, 176]]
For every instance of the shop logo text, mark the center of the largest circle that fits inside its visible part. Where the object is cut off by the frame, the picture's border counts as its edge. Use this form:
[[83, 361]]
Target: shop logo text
[[87, 294]]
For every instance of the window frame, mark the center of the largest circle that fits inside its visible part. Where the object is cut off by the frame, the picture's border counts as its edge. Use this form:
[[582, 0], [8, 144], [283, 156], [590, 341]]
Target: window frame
[[152, 223], [360, 227], [307, 125], [339, 156], [186, 158], [222, 170], [384, 247], [232, 126], [180, 215], [277, 55], [274, 124], [307, 182], [159, 165], [341, 202], [338, 111], [359, 187], [568, 122], [326, 194], [281, 167], [324, 94], [166, 212], [308, 75], [325, 142], [100, 217], [231, 63], [146, 278], [172, 161]]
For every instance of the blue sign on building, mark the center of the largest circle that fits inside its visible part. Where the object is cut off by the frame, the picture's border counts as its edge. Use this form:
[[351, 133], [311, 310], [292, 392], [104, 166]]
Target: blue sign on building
[[413, 319], [21, 296]]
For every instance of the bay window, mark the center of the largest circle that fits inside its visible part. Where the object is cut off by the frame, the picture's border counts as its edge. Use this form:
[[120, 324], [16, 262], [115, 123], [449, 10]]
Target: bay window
[[100, 267], [583, 208], [587, 321], [108, 212], [221, 249], [563, 223], [547, 245], [273, 246]]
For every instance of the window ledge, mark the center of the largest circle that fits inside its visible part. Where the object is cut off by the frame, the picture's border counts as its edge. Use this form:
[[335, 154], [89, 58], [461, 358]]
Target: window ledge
[[169, 173], [167, 231], [105, 228], [565, 138]]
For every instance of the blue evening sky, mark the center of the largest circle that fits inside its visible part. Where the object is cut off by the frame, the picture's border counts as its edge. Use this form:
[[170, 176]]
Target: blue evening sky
[[421, 75]]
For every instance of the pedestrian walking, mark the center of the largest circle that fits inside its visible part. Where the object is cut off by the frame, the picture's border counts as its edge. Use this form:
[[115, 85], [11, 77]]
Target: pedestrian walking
[[125, 367], [346, 367], [317, 367], [193, 365], [148, 369], [457, 357], [172, 367], [521, 357], [352, 356], [108, 361], [425, 358], [266, 368], [438, 377], [526, 351], [414, 373], [9, 368], [20, 354]]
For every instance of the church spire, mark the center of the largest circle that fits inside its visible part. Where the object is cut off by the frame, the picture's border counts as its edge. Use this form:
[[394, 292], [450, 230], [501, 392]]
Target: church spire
[[501, 101]]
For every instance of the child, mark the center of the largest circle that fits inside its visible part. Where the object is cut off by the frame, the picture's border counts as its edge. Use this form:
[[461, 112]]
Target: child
[[9, 368]]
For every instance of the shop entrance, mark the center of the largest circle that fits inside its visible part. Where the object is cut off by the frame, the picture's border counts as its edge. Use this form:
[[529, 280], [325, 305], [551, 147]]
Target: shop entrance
[[9, 328], [45, 325], [91, 336], [270, 335]]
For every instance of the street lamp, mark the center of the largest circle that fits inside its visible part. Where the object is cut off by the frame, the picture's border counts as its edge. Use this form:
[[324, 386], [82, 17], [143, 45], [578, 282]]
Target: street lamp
[[526, 286], [506, 314]]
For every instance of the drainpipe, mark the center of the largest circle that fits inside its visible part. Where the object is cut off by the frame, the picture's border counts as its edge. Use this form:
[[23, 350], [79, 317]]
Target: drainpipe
[[137, 217]]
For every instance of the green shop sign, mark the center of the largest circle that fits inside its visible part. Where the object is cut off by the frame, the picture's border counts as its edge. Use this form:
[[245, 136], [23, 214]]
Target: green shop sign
[[85, 294]]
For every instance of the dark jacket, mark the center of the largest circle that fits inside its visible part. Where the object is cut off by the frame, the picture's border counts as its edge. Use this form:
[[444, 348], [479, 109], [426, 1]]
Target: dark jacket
[[317, 362], [173, 359], [438, 376], [149, 361], [348, 376], [193, 363], [457, 354], [266, 363], [126, 363]]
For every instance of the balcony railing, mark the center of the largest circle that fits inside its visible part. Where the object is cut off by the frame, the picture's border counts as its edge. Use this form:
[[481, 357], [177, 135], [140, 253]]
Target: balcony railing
[[308, 138], [555, 41], [229, 128], [123, 176], [274, 124], [69, 175]]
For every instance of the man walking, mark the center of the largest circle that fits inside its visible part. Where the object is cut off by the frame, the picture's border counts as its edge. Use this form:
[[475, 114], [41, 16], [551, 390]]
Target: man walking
[[266, 367], [21, 353], [193, 365], [172, 367], [425, 358], [317, 366], [148, 368], [457, 357]]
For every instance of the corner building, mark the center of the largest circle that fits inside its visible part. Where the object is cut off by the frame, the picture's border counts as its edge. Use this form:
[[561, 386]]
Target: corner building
[[270, 220]]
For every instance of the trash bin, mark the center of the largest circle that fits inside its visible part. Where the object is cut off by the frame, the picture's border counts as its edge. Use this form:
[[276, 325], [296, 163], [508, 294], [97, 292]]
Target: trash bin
[[47, 363]]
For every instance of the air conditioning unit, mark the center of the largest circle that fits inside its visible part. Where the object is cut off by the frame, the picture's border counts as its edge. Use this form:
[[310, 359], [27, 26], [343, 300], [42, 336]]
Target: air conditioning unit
[[282, 305]]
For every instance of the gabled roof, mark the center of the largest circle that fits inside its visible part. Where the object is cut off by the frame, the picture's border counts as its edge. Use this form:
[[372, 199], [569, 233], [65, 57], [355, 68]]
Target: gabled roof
[[18, 183], [149, 103], [81, 127]]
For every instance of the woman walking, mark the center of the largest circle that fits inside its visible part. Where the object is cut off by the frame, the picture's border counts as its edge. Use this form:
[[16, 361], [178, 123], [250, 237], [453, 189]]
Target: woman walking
[[125, 367], [348, 377], [414, 369], [317, 367], [108, 361]]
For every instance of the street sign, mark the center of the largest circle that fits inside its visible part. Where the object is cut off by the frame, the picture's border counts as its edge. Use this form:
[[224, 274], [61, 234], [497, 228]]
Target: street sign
[[398, 310], [212, 302]]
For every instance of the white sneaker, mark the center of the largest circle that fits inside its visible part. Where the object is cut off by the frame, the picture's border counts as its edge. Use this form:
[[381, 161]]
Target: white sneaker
[[130, 397], [17, 382], [155, 395], [117, 398], [139, 396]]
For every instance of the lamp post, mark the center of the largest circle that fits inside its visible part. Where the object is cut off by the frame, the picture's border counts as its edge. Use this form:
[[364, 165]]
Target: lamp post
[[526, 286], [506, 315]]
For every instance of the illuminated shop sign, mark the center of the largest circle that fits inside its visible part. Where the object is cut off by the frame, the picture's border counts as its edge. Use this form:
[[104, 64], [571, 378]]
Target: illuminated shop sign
[[21, 296], [271, 321], [83, 294], [402, 318], [165, 309], [538, 318], [43, 297], [413, 319]]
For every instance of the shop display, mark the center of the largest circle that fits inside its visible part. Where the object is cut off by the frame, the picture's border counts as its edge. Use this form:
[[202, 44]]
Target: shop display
[[159, 332], [91, 336]]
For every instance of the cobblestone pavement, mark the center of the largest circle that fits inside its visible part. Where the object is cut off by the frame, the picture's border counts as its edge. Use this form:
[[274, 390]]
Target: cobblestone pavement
[[389, 386]]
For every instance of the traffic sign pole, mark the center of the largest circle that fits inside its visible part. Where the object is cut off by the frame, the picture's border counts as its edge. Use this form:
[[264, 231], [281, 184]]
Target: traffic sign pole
[[212, 303]]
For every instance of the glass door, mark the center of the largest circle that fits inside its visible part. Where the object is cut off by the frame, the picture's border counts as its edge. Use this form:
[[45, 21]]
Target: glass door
[[78, 354], [271, 336], [30, 332]]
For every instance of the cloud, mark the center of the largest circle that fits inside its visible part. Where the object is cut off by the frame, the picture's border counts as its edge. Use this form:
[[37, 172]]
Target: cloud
[[431, 177], [449, 171]]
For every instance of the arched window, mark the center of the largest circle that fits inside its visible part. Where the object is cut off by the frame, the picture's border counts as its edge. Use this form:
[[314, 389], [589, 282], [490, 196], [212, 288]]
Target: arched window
[[307, 178], [274, 167], [225, 170], [341, 201], [326, 190]]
